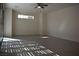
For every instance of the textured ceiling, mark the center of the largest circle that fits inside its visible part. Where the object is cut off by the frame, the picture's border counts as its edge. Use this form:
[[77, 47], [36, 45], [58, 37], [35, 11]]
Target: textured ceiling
[[29, 7]]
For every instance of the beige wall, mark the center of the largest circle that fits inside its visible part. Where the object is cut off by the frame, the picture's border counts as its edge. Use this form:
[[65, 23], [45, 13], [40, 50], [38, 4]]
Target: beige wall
[[14, 14], [64, 23], [45, 24], [14, 26], [8, 22], [42, 23], [25, 27], [1, 23], [29, 27]]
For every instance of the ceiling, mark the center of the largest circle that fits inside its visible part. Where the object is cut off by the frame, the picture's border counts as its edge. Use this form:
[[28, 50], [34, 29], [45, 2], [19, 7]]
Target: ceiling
[[29, 7]]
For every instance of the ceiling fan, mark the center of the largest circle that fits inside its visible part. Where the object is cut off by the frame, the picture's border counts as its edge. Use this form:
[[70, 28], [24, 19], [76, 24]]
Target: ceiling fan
[[41, 5]]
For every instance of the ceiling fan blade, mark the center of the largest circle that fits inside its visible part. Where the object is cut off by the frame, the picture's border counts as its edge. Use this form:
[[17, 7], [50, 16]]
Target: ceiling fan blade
[[42, 7], [41, 4], [45, 5]]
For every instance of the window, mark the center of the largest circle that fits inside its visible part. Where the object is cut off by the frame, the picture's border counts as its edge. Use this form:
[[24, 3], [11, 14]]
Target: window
[[25, 16]]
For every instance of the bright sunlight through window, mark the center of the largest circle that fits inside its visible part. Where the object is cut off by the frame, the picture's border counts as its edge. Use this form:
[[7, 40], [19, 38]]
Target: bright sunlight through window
[[25, 16]]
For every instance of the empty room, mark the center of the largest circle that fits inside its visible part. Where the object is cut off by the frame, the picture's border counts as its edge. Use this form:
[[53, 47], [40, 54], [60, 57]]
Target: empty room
[[39, 29]]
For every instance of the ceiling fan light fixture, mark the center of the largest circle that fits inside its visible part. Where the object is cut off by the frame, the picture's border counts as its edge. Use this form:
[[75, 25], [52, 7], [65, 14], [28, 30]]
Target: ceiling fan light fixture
[[39, 7]]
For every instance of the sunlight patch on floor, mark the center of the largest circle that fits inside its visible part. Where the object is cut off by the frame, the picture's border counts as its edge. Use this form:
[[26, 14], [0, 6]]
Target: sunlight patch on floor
[[10, 39], [18, 47], [44, 37]]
